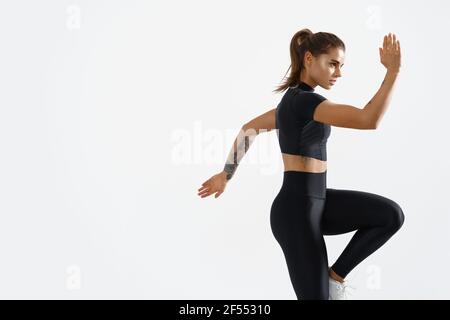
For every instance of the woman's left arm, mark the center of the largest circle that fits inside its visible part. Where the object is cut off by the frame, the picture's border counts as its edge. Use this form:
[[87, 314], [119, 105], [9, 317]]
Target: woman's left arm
[[262, 123]]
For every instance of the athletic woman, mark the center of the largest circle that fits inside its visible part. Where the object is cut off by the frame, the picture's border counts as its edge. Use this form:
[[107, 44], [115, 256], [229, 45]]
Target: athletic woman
[[305, 209]]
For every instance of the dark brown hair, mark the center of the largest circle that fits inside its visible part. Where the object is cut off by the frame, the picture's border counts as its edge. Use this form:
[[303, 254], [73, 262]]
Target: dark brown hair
[[305, 40]]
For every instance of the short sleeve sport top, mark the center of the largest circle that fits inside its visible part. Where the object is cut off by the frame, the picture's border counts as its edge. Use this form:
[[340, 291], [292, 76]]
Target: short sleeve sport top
[[297, 131]]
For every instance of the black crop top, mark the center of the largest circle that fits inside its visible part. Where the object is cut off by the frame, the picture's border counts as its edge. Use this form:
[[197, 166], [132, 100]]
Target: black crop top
[[297, 131]]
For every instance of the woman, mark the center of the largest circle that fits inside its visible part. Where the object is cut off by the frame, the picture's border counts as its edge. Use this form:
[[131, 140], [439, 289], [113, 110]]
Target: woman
[[305, 209]]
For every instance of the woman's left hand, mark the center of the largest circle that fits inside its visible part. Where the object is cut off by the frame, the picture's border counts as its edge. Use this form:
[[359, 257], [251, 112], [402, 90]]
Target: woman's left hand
[[216, 184]]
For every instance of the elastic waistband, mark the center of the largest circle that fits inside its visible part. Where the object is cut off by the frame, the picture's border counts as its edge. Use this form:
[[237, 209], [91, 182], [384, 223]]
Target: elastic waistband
[[306, 183]]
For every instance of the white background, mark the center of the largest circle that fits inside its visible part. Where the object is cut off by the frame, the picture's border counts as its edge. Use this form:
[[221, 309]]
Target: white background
[[114, 112]]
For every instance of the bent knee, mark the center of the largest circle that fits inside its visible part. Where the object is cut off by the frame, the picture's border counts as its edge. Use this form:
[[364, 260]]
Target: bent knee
[[397, 217]]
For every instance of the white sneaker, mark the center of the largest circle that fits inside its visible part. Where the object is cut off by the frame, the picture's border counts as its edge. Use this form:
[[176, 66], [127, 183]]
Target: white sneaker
[[338, 291]]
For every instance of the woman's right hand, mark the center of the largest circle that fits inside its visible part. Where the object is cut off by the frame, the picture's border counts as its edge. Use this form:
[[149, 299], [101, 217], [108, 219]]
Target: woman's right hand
[[390, 55], [216, 184]]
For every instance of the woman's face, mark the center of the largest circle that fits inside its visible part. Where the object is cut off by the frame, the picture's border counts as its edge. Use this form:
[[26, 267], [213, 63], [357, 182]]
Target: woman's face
[[325, 68]]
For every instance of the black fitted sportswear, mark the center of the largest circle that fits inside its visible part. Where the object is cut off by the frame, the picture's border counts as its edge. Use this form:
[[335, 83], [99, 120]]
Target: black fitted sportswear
[[305, 209], [298, 133]]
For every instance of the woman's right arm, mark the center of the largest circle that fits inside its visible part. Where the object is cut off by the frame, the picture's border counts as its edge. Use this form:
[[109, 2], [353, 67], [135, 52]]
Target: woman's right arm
[[390, 56], [369, 117]]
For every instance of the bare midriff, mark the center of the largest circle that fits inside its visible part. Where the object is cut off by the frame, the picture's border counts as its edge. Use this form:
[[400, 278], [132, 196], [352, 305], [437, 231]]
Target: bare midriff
[[301, 163]]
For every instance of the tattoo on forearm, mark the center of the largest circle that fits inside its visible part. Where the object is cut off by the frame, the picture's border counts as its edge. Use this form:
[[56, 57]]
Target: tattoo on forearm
[[243, 142]]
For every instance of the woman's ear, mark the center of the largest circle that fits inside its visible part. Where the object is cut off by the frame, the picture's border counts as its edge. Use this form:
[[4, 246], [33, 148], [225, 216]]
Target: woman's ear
[[308, 58]]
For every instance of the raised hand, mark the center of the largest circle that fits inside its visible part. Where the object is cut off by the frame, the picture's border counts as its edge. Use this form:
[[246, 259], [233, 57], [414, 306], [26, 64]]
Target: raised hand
[[390, 54]]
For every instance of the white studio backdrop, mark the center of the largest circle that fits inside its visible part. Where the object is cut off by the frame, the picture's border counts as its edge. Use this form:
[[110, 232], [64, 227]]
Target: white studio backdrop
[[114, 112]]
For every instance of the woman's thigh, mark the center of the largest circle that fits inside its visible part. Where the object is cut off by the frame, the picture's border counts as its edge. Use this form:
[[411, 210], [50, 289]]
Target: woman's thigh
[[295, 222], [349, 210]]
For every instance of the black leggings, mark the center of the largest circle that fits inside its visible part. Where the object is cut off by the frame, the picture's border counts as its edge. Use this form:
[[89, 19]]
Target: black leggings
[[305, 210]]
